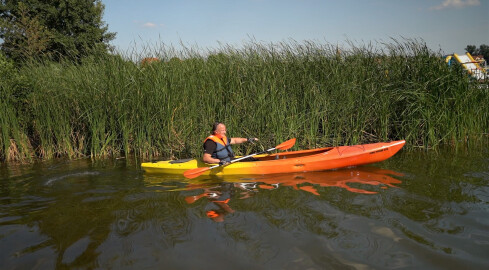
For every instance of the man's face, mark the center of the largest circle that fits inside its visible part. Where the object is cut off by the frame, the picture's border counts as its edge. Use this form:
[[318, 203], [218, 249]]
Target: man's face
[[220, 130]]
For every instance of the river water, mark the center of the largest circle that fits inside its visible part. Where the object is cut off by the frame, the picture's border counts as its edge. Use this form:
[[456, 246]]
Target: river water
[[418, 210]]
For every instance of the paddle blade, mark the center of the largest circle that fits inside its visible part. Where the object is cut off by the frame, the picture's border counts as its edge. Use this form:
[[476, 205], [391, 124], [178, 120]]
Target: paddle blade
[[286, 145], [192, 173]]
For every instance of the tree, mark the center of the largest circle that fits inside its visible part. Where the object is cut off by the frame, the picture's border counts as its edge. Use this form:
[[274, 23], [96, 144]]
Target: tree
[[471, 49], [53, 28], [482, 50], [25, 37]]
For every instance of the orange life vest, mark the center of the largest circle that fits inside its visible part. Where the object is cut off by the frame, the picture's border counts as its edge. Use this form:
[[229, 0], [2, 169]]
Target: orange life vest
[[223, 148]]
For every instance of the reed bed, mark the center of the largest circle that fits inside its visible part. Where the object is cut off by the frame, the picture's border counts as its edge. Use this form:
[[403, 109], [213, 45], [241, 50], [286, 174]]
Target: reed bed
[[319, 93]]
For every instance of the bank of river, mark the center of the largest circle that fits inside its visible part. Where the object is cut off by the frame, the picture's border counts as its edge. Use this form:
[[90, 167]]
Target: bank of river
[[417, 210]]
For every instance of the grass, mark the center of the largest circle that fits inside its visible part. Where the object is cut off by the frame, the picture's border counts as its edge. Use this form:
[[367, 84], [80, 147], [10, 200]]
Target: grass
[[110, 106]]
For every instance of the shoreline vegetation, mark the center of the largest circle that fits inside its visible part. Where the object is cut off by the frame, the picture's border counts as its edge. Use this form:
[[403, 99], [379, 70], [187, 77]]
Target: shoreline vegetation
[[323, 95]]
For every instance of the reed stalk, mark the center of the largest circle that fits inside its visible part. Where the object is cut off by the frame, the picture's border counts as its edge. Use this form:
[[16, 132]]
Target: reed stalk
[[319, 93]]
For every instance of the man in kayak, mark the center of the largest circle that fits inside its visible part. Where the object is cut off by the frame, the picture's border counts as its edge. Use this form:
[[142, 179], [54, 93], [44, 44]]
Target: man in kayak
[[217, 147]]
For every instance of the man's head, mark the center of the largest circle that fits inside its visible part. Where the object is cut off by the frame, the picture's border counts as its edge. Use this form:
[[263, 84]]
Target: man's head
[[219, 129]]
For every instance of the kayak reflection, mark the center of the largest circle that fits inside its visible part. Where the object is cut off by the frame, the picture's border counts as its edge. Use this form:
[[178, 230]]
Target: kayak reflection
[[219, 191], [343, 178]]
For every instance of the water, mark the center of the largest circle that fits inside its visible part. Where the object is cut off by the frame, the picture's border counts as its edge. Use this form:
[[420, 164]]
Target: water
[[417, 210]]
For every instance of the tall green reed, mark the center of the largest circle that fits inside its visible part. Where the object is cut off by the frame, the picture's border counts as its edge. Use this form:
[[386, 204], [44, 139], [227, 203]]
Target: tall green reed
[[319, 93], [14, 112]]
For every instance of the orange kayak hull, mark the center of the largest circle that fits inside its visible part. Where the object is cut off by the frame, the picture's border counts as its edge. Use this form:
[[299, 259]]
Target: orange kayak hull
[[288, 162]]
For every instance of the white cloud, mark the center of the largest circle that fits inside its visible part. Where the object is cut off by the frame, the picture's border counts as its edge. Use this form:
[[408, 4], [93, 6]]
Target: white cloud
[[149, 25], [457, 4]]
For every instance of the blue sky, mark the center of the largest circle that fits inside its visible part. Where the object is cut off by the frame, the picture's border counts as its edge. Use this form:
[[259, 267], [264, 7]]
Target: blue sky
[[449, 25]]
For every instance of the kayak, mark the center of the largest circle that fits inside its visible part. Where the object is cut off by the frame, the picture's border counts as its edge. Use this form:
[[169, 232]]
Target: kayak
[[319, 159]]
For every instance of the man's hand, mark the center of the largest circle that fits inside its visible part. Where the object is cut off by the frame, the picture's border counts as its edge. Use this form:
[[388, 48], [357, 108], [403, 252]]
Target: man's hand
[[224, 162], [252, 140]]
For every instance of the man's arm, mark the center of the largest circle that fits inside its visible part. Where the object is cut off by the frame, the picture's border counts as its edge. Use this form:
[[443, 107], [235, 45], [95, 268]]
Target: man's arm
[[242, 140], [208, 159], [209, 148]]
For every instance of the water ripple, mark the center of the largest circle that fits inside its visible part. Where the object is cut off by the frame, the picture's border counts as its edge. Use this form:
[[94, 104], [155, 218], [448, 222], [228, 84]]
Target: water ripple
[[52, 180]]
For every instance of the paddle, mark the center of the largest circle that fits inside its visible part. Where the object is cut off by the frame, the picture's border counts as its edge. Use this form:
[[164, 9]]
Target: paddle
[[192, 173]]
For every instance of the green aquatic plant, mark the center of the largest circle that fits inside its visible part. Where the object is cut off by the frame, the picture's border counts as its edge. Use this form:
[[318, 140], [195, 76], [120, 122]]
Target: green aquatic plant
[[319, 93]]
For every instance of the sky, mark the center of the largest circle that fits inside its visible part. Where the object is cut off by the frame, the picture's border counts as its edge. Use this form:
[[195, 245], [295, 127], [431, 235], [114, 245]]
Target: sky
[[446, 25]]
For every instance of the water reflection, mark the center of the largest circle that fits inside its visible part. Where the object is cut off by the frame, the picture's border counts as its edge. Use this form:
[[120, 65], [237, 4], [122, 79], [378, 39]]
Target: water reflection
[[82, 214], [306, 181], [218, 191], [345, 178]]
